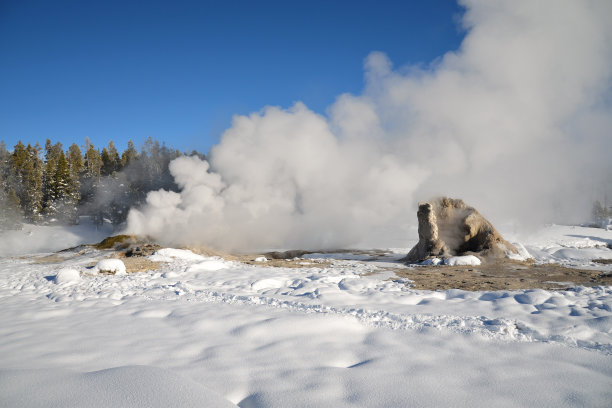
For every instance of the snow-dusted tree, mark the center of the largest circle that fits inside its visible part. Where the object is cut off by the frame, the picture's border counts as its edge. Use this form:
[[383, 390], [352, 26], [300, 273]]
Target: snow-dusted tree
[[129, 155], [90, 181], [67, 196], [60, 195], [111, 162], [27, 179], [50, 181], [10, 209], [76, 168], [93, 161]]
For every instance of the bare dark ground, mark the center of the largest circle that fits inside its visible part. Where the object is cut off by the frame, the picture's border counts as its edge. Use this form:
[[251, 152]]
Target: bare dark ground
[[502, 275]]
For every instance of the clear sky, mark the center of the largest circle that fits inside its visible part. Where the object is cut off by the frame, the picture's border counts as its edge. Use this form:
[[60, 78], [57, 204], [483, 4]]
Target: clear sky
[[178, 70]]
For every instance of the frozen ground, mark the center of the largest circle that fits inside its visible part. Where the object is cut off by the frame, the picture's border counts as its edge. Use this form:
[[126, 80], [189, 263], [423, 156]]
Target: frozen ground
[[209, 332]]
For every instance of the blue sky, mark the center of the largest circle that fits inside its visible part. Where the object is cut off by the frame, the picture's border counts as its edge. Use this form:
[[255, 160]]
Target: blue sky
[[177, 71]]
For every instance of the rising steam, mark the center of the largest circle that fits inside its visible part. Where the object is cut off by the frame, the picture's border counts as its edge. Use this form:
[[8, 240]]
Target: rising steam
[[516, 122]]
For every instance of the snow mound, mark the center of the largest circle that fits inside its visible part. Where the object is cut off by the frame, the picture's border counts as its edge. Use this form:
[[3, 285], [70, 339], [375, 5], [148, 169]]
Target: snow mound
[[462, 260], [67, 275], [127, 386], [431, 261], [270, 283], [261, 259], [172, 254], [208, 265], [115, 266]]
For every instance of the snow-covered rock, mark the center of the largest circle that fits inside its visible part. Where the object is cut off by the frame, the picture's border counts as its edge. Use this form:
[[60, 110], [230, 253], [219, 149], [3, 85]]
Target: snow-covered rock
[[171, 254], [115, 266], [66, 275], [431, 261], [469, 260]]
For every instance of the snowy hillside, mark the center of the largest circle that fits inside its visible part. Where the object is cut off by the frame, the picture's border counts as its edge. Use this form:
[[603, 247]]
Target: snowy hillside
[[205, 331]]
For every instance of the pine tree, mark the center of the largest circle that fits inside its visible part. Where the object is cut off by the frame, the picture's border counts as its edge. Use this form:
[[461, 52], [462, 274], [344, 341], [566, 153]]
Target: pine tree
[[91, 181], [130, 155], [115, 159], [51, 193], [10, 209], [67, 198], [28, 168], [93, 161], [59, 198], [5, 161], [107, 166], [76, 168]]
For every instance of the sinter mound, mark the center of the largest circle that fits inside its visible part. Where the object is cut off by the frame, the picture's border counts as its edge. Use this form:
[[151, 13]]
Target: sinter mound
[[449, 227]]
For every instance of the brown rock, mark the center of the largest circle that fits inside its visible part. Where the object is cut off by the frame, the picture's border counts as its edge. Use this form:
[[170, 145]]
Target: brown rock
[[449, 227]]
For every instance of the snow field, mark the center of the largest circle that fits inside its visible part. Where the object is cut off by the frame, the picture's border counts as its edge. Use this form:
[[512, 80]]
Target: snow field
[[135, 385], [274, 357], [568, 245], [350, 334]]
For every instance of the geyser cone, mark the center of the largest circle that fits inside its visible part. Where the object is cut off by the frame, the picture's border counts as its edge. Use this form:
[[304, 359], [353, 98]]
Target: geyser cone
[[449, 227]]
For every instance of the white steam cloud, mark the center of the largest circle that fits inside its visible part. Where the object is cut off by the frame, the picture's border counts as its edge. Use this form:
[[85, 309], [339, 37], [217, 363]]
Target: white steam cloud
[[517, 122]]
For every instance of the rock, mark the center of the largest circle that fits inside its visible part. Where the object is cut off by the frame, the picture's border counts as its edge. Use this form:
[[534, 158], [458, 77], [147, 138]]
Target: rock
[[66, 275], [448, 227], [142, 250], [110, 266]]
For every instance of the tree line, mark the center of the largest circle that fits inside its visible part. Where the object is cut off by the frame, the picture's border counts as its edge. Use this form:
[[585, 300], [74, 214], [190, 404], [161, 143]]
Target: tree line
[[56, 186]]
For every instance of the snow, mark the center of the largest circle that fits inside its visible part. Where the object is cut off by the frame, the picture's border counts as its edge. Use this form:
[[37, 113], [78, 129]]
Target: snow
[[522, 255], [37, 239], [115, 266], [344, 333], [171, 254], [261, 259], [141, 385], [571, 246], [67, 275], [432, 261], [462, 260], [208, 265]]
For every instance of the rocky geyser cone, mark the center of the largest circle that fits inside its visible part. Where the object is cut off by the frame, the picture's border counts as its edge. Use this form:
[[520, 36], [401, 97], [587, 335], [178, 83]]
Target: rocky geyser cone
[[449, 227]]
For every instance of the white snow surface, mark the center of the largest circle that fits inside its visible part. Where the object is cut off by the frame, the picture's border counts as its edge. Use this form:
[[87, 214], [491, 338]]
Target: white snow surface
[[462, 260], [568, 245], [114, 387], [349, 334], [432, 261], [171, 254]]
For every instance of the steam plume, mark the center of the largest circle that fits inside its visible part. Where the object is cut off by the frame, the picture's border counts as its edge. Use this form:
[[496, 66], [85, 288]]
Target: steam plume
[[517, 122]]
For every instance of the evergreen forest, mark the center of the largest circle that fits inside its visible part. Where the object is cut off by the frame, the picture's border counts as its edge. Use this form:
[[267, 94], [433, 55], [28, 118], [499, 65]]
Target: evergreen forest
[[53, 185]]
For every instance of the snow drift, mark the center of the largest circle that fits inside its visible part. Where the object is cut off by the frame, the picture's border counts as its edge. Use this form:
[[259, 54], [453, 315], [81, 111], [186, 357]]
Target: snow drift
[[514, 121], [131, 386]]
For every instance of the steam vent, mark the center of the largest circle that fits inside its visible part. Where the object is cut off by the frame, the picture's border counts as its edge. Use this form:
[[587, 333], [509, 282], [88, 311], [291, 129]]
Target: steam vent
[[449, 227]]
